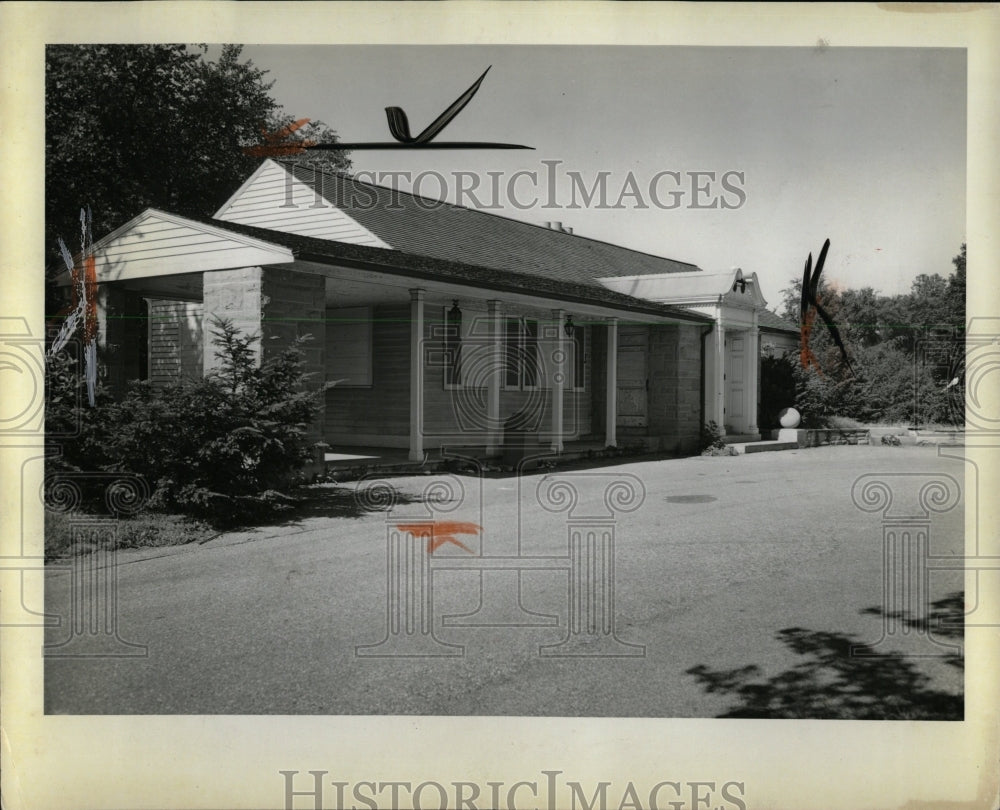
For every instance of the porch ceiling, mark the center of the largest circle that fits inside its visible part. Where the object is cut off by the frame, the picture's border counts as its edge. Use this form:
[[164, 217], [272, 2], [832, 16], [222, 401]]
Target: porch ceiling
[[183, 287], [348, 286]]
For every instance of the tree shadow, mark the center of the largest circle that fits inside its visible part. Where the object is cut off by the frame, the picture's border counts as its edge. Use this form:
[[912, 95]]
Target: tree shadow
[[839, 678], [945, 619]]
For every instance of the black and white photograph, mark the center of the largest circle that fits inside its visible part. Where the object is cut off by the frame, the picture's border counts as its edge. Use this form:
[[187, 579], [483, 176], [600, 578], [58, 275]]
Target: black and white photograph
[[474, 384]]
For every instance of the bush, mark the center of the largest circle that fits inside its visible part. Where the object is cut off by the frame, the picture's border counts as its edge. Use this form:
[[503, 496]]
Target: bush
[[777, 388], [222, 447], [711, 438], [885, 386]]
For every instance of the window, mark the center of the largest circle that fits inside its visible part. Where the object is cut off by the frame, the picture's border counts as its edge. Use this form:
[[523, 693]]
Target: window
[[349, 346], [578, 377], [453, 346], [521, 353]]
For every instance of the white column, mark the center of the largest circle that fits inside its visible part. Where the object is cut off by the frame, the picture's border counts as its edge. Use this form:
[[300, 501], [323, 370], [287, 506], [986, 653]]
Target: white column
[[558, 379], [494, 379], [416, 375], [753, 365], [611, 407], [717, 411]]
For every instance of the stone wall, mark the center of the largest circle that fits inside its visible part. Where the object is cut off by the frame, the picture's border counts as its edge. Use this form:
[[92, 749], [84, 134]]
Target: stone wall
[[675, 386], [276, 305]]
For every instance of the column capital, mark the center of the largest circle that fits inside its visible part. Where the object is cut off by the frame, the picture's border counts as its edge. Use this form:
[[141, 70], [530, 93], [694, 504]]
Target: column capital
[[417, 293]]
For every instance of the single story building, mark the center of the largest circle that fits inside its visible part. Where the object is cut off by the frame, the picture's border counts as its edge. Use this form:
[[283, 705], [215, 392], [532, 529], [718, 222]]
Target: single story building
[[445, 326]]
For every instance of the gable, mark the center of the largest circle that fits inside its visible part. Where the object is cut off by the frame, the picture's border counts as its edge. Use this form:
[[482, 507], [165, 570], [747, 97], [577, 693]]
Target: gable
[[275, 199], [156, 243]]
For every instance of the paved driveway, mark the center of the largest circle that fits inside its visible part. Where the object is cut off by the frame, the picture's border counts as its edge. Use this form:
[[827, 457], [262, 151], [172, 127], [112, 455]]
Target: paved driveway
[[742, 581]]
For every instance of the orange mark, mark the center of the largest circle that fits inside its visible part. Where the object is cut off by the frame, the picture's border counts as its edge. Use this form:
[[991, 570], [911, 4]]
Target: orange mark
[[90, 294], [441, 532], [276, 144], [806, 356]]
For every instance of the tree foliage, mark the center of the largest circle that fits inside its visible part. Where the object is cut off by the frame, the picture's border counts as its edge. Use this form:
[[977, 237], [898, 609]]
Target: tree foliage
[[906, 351], [133, 126]]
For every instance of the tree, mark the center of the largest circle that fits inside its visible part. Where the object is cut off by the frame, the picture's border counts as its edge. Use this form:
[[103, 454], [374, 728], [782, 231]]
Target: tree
[[955, 294], [906, 352], [133, 126]]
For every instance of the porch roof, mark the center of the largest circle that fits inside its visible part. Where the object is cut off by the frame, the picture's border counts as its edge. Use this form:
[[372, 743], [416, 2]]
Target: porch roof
[[693, 288], [772, 322], [410, 265]]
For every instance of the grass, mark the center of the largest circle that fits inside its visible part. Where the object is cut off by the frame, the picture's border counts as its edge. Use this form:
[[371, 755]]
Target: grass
[[68, 534]]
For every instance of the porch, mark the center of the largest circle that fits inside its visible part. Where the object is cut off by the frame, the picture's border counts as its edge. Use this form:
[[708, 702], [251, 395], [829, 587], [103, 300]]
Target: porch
[[421, 372], [353, 462]]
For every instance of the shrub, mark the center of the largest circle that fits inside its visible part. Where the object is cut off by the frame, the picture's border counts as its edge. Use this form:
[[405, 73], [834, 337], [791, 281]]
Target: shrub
[[725, 450], [222, 447], [711, 437]]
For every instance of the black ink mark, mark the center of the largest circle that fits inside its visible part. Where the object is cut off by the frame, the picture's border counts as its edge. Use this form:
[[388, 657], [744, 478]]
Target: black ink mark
[[810, 302], [399, 128]]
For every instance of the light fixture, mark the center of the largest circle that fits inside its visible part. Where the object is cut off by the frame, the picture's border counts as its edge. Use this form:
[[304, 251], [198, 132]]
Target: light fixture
[[454, 314], [569, 326]]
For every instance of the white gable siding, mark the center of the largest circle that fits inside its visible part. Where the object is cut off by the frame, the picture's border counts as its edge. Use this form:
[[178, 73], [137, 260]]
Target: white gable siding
[[159, 244], [273, 199]]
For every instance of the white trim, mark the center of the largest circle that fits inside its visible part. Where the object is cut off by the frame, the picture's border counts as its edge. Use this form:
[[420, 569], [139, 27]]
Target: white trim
[[222, 233]]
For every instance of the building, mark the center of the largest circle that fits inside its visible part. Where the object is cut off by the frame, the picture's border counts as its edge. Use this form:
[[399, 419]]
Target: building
[[445, 326]]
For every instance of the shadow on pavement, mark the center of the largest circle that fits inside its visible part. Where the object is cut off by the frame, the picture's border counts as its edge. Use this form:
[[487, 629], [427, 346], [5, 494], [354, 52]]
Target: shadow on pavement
[[842, 678]]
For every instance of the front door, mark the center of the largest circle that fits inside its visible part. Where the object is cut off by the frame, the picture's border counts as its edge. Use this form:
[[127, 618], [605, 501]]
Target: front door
[[735, 381], [633, 343]]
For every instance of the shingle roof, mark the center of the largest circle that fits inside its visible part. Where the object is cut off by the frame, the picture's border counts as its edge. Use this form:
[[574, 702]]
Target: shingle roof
[[771, 322], [426, 227], [398, 262]]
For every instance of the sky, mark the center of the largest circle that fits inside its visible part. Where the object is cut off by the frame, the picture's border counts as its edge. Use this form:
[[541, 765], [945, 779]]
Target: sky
[[864, 146]]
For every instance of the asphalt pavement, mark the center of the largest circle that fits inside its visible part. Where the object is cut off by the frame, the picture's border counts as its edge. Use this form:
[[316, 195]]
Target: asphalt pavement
[[741, 584]]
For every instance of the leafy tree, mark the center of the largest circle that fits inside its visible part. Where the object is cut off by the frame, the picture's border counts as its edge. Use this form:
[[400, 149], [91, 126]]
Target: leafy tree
[[133, 126], [894, 378], [955, 294]]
